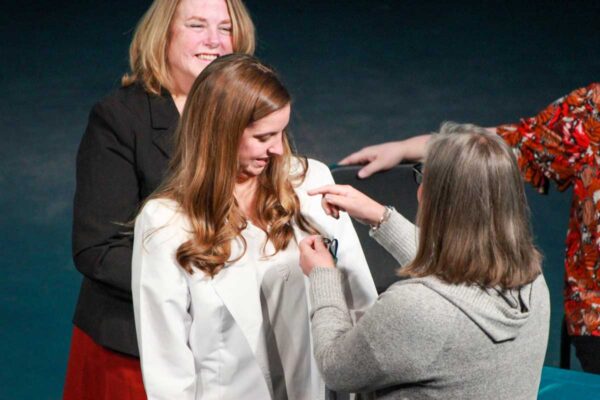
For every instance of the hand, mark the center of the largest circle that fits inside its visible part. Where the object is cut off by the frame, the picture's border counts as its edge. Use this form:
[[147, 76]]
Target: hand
[[386, 155], [314, 253], [376, 158], [345, 198]]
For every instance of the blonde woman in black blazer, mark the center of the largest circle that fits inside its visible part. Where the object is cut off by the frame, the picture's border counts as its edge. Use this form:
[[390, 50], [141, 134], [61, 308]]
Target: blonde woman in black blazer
[[122, 158]]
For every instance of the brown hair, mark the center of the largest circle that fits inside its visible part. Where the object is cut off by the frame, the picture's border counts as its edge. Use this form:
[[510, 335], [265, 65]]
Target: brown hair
[[231, 93], [148, 48], [473, 214]]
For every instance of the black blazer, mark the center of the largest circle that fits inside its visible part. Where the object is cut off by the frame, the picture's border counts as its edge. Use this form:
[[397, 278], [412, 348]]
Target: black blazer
[[122, 158]]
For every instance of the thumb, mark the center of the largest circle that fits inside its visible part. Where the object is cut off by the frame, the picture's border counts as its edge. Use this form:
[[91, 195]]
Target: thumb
[[308, 243], [319, 245]]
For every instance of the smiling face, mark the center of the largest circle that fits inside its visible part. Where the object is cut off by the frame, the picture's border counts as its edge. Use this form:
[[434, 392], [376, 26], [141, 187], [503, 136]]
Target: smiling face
[[200, 32], [260, 141]]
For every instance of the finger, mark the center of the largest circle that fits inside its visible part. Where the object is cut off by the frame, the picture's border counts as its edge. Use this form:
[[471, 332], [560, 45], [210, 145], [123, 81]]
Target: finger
[[319, 245], [330, 209], [359, 157], [337, 202], [326, 206], [370, 169], [336, 213], [308, 243], [334, 189]]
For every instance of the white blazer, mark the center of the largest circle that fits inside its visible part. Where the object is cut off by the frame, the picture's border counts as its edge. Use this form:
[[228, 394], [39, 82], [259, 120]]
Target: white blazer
[[198, 336]]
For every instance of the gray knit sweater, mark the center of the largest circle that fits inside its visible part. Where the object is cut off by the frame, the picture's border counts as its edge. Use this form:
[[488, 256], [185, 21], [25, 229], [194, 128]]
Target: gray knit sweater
[[426, 339]]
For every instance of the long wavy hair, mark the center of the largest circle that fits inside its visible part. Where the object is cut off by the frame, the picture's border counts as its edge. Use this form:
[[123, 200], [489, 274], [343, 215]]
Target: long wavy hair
[[473, 214], [148, 48], [231, 93]]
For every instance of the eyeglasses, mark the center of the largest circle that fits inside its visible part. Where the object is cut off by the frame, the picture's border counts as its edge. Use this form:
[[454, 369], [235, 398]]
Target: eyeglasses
[[332, 246], [418, 173]]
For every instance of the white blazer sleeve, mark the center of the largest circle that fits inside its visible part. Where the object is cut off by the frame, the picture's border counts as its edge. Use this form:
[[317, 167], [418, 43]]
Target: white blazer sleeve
[[359, 288], [161, 302]]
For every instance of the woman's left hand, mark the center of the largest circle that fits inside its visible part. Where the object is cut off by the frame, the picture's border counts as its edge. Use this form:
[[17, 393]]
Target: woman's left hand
[[314, 253]]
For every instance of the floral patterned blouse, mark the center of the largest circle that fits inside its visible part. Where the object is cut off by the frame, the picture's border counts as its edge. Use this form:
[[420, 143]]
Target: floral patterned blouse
[[562, 144]]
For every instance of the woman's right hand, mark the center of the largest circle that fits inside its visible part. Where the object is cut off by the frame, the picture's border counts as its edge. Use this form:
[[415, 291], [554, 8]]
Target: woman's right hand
[[384, 156], [376, 158], [358, 205]]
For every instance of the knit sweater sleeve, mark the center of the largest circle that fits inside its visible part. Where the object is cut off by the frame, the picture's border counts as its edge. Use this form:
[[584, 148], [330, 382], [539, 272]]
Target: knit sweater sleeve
[[399, 237], [392, 344]]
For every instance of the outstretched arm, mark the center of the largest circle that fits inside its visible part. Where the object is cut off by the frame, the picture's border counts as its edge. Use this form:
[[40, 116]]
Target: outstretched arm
[[398, 235], [386, 155]]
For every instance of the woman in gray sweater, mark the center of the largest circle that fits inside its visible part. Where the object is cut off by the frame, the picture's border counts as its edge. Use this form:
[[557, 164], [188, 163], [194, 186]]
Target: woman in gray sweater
[[471, 321]]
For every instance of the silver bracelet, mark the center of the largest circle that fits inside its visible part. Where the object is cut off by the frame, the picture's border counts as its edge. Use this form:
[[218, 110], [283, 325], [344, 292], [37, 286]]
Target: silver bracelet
[[386, 215]]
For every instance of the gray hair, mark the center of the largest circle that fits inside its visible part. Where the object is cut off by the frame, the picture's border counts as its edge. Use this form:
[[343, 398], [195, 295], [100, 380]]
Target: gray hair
[[473, 212]]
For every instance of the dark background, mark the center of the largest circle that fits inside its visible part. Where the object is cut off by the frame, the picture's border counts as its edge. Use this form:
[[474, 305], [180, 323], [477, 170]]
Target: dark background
[[361, 72]]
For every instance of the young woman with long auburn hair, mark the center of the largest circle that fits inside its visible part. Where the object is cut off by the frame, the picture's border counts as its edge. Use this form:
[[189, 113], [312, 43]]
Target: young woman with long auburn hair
[[471, 321], [220, 301]]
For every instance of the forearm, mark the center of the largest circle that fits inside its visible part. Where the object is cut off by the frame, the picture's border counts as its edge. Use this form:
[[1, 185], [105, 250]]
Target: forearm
[[342, 353], [413, 149], [399, 237], [109, 264]]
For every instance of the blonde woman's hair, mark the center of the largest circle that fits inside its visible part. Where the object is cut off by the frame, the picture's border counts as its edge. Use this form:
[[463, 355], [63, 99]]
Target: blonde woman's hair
[[231, 93], [148, 48], [473, 214]]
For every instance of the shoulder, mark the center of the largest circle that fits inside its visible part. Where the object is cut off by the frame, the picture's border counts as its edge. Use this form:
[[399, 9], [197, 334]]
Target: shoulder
[[418, 304], [306, 165], [594, 86], [317, 165], [125, 95], [315, 172], [123, 101], [589, 90], [123, 115], [415, 289], [160, 213], [541, 292], [418, 312], [317, 168], [593, 93], [589, 94], [161, 226]]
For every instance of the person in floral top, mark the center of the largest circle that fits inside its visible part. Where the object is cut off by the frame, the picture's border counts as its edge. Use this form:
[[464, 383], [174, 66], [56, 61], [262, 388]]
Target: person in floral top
[[560, 144]]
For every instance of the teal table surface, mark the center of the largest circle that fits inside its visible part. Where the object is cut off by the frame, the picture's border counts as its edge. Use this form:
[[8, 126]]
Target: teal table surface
[[565, 384]]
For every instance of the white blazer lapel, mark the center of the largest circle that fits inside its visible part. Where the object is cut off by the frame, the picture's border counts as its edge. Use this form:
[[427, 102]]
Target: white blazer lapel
[[237, 287]]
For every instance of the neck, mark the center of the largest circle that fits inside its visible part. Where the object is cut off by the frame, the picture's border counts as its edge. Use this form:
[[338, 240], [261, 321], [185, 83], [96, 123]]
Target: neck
[[179, 93], [245, 194], [179, 101]]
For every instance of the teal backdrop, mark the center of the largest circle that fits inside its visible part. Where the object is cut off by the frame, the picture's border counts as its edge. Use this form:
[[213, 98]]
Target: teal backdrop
[[360, 72]]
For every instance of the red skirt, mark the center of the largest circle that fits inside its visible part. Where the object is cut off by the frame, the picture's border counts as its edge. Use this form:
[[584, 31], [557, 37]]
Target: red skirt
[[97, 373]]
